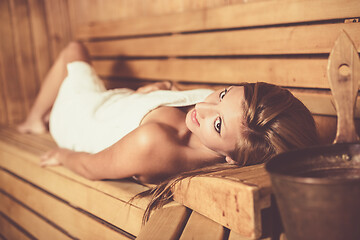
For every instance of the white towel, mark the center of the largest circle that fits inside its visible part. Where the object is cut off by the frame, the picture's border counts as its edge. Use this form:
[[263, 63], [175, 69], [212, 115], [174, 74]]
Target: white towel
[[86, 117]]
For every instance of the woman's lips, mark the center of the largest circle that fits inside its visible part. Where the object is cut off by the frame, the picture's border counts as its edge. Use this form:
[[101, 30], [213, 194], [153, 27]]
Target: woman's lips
[[193, 117]]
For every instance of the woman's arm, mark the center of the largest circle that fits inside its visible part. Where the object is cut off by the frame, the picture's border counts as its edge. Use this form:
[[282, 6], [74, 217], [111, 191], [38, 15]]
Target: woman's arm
[[147, 151]]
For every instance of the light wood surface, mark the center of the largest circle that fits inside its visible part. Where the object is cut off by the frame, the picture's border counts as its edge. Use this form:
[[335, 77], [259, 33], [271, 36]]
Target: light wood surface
[[9, 231], [202, 228], [259, 41], [41, 41], [165, 224], [11, 102], [344, 74], [68, 218], [285, 72], [251, 14], [229, 201], [20, 154], [37, 226]]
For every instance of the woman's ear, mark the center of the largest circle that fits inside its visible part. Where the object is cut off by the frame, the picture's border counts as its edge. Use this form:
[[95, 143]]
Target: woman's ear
[[230, 160]]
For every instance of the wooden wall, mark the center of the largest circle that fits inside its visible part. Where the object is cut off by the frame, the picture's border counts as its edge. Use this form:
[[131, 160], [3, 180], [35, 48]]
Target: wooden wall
[[33, 32]]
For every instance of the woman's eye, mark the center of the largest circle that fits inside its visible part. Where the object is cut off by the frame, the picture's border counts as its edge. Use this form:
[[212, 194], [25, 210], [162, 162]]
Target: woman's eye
[[222, 94], [217, 125]]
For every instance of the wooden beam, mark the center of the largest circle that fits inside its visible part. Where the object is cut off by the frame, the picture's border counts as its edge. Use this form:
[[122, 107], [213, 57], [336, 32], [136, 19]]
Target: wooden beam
[[232, 16], [73, 221], [202, 228], [229, 201], [308, 39], [165, 224]]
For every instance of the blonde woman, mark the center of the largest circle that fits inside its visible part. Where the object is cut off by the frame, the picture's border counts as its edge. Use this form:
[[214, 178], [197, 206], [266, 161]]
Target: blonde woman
[[155, 133]]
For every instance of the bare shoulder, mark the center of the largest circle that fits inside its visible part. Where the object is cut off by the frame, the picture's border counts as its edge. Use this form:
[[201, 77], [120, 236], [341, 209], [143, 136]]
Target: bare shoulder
[[160, 152], [157, 138]]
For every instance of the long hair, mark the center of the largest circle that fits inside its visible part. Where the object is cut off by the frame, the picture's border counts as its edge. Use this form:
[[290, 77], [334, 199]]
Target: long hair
[[275, 121]]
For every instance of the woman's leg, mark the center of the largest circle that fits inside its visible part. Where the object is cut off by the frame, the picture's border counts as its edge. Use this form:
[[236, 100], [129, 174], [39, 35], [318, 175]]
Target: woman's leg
[[37, 119]]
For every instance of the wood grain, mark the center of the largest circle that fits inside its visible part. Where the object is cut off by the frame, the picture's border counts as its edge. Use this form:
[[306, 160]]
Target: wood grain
[[10, 231], [165, 224], [59, 28], [28, 79], [202, 228], [38, 227], [10, 78], [41, 41], [266, 12], [80, 225], [107, 200], [307, 39], [305, 72], [229, 202]]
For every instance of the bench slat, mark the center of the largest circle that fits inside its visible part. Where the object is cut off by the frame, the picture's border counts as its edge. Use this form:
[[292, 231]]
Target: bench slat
[[165, 224], [285, 72], [35, 225], [309, 39], [233, 16], [38, 144], [300, 73], [71, 220], [73, 189], [201, 228], [10, 231]]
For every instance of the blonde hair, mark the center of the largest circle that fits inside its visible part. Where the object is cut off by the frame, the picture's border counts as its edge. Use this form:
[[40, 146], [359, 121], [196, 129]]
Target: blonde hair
[[275, 121]]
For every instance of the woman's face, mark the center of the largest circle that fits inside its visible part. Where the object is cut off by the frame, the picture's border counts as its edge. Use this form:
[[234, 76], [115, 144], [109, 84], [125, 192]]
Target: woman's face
[[218, 121]]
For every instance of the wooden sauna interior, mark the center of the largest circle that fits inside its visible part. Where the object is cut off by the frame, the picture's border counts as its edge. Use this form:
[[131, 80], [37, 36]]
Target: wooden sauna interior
[[207, 43]]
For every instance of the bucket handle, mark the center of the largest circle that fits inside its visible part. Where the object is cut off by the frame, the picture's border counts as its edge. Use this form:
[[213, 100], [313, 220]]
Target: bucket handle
[[343, 73]]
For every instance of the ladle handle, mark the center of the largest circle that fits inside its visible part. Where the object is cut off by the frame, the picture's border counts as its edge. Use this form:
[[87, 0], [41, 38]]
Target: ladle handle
[[343, 74]]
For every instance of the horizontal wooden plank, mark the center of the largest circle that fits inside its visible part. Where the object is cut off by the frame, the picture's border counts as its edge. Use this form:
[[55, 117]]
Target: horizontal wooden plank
[[35, 145], [303, 73], [165, 224], [32, 223], [285, 72], [308, 39], [9, 231], [107, 200], [321, 102], [201, 228], [71, 220], [249, 14]]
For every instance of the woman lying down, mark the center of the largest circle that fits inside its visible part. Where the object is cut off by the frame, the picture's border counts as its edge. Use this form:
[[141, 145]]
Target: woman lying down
[[155, 133]]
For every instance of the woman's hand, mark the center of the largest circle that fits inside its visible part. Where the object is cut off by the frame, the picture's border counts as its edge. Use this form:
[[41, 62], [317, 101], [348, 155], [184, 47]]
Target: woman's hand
[[164, 85], [55, 157]]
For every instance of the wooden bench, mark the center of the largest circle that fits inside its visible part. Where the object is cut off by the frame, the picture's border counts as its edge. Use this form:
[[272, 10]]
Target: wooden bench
[[281, 42]]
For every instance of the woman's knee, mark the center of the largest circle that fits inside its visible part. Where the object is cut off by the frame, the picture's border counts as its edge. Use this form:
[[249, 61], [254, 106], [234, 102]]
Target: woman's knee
[[75, 51]]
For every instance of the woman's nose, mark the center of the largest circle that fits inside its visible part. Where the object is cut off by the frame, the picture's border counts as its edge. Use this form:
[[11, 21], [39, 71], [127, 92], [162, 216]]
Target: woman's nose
[[204, 109]]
